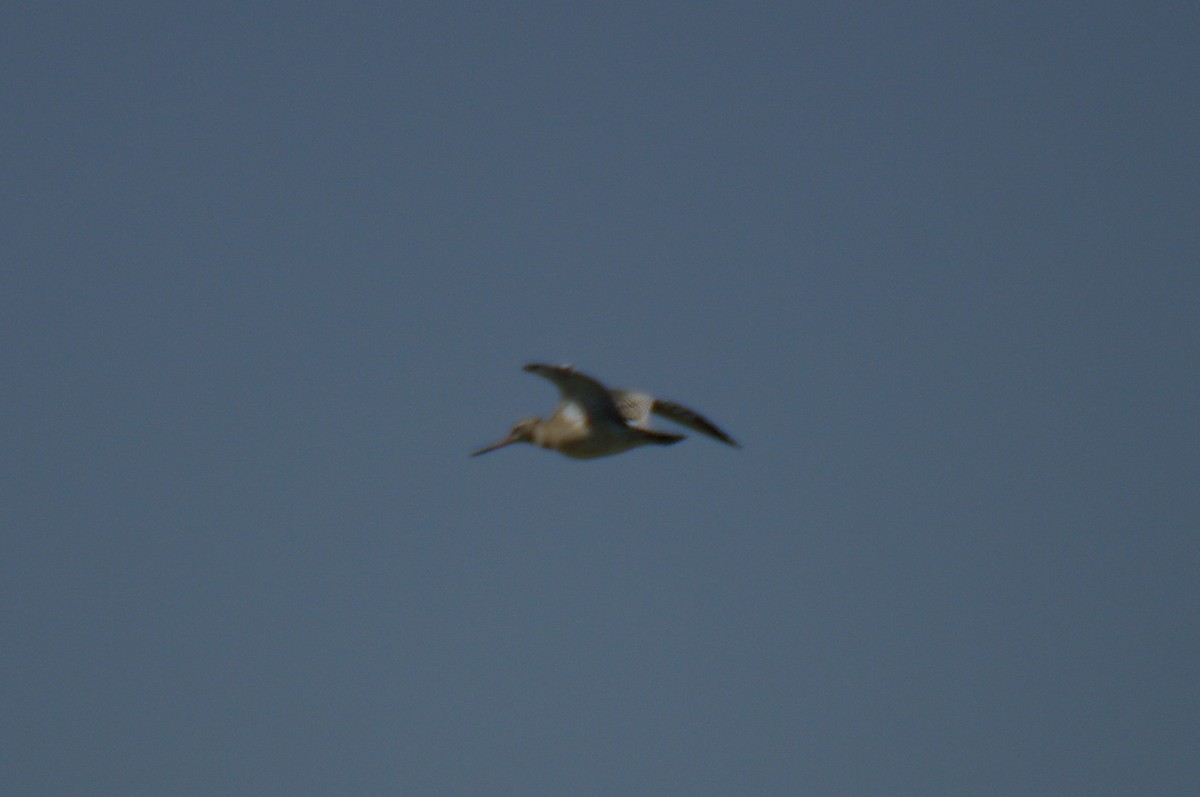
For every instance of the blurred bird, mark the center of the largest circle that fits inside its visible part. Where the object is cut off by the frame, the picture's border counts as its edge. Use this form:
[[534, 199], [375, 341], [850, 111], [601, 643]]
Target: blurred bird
[[592, 420]]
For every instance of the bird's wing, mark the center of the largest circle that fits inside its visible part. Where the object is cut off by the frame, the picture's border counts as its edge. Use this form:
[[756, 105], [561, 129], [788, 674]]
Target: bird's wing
[[691, 419], [634, 407], [581, 390]]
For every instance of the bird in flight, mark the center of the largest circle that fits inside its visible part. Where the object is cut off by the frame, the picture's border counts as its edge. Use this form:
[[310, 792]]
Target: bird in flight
[[592, 420]]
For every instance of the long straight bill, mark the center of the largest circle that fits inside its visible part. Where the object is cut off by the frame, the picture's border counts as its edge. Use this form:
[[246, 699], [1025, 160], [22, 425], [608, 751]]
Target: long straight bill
[[505, 442]]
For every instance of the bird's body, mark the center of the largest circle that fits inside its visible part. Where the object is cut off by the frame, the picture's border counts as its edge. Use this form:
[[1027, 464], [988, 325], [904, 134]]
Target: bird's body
[[592, 420]]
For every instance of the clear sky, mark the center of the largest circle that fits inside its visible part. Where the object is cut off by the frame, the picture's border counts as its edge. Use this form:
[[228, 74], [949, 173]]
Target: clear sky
[[271, 270]]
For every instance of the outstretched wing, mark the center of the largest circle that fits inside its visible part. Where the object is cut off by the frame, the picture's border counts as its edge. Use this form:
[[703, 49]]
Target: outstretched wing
[[581, 390], [691, 419], [634, 407]]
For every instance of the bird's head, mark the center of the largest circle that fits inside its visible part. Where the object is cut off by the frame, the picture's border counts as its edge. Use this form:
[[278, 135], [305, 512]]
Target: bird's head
[[521, 432]]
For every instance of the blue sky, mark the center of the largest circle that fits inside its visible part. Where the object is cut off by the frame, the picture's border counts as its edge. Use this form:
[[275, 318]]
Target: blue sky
[[271, 274]]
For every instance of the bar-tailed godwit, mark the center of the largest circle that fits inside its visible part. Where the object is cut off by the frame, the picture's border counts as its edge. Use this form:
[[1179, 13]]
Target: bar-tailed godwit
[[592, 420]]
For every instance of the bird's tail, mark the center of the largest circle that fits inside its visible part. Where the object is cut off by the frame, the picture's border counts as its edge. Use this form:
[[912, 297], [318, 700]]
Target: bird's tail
[[658, 438]]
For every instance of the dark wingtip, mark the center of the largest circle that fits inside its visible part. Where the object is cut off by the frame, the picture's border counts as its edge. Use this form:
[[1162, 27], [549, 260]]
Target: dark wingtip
[[535, 367], [729, 441]]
